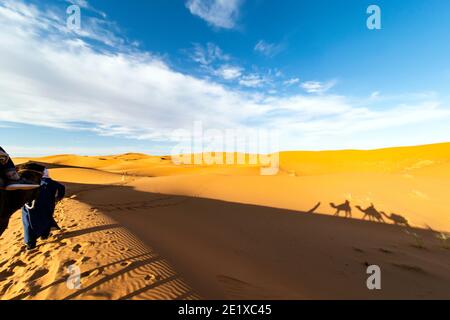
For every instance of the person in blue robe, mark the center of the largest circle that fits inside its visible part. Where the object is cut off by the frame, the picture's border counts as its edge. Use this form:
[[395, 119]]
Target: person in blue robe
[[37, 216]]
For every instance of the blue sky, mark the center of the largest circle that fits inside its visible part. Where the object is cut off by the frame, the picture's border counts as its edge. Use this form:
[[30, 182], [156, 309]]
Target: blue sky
[[137, 71]]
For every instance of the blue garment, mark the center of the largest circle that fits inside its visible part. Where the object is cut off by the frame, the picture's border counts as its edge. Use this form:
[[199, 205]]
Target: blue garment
[[37, 217]]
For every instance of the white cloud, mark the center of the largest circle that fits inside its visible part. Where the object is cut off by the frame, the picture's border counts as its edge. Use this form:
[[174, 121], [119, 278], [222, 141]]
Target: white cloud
[[228, 72], [253, 81], [216, 62], [81, 3], [375, 95], [208, 54], [218, 13], [291, 82], [84, 4], [268, 49], [52, 78], [318, 87]]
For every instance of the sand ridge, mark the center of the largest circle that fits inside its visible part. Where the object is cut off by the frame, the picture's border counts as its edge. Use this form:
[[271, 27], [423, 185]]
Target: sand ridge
[[113, 263]]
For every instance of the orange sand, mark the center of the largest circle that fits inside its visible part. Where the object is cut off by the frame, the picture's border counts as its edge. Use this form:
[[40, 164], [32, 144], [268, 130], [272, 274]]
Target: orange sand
[[227, 232]]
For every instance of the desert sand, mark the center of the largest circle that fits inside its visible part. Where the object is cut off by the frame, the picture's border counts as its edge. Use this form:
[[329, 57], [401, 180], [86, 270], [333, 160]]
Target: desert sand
[[141, 227]]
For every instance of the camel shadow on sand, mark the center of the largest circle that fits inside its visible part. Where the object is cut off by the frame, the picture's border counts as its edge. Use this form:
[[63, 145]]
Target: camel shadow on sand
[[371, 213]]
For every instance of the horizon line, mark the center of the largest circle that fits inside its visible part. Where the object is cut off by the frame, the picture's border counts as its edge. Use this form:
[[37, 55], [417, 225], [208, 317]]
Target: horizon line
[[237, 152]]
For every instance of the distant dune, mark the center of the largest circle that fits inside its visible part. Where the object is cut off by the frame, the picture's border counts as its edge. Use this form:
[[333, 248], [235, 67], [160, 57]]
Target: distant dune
[[228, 232]]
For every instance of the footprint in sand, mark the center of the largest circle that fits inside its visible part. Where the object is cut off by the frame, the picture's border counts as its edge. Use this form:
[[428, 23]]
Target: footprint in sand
[[38, 274], [34, 290], [96, 272], [3, 263], [6, 274], [385, 251], [110, 242], [69, 263], [19, 264], [6, 287], [76, 248], [410, 268], [33, 253], [150, 277]]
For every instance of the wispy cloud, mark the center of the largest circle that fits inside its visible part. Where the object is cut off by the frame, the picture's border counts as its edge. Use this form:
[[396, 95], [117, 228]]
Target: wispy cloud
[[291, 82], [228, 72], [208, 54], [253, 81], [218, 13], [217, 63], [86, 5], [375, 95], [317, 86], [268, 49]]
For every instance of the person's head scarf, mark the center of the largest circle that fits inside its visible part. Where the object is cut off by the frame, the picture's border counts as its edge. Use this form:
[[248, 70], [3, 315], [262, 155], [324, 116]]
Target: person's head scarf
[[46, 174]]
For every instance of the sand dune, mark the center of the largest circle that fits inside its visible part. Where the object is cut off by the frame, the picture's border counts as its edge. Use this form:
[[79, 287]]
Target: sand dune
[[410, 181], [228, 232]]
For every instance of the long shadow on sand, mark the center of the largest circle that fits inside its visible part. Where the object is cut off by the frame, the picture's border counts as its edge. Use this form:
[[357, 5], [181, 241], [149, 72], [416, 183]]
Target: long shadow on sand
[[73, 234], [240, 251]]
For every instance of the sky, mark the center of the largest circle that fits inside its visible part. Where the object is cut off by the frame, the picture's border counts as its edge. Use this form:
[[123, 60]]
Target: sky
[[137, 72]]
